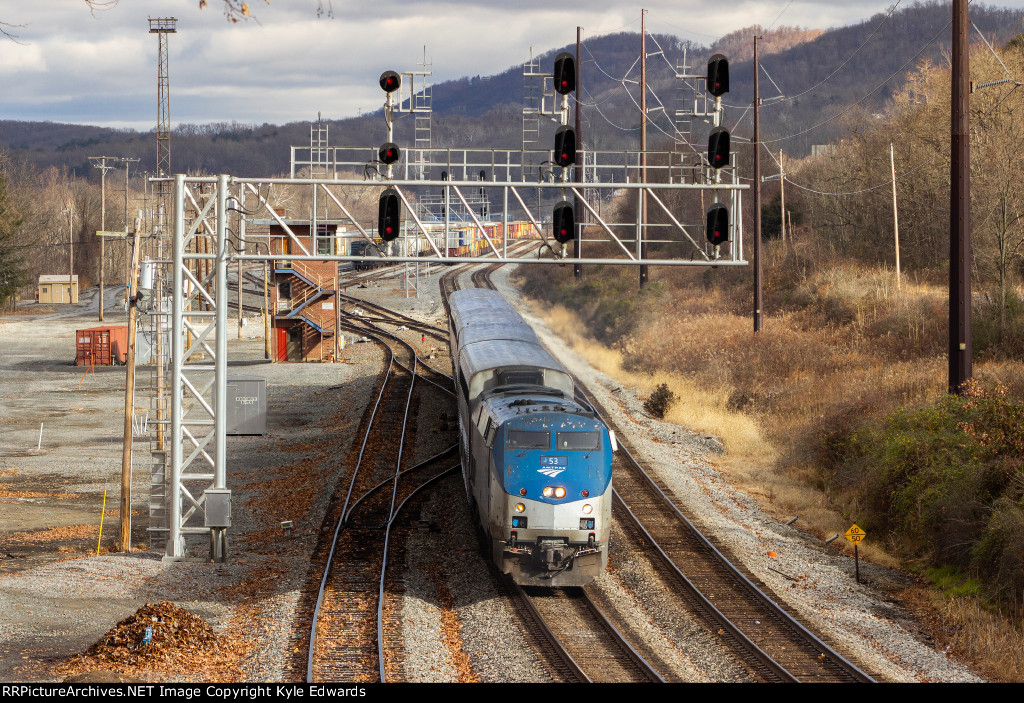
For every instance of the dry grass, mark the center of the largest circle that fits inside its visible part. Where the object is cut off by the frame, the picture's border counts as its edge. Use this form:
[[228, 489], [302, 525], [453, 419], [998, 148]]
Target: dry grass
[[987, 638], [840, 343], [993, 643], [703, 410]]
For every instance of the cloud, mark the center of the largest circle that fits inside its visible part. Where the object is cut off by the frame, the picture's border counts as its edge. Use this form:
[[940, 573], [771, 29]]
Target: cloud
[[286, 65]]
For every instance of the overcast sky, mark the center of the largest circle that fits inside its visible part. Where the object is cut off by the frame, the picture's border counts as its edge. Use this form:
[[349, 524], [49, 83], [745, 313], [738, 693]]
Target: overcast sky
[[73, 65]]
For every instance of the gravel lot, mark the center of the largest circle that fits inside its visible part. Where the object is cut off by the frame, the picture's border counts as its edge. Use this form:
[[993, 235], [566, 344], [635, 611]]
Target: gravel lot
[[55, 600]]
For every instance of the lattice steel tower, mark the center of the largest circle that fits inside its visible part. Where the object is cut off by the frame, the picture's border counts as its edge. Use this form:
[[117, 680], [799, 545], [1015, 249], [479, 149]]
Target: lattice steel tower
[[163, 26]]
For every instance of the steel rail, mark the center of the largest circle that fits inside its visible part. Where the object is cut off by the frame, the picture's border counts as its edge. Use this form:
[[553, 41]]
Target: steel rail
[[369, 327], [384, 565], [600, 625], [441, 332], [346, 512], [852, 670], [370, 332], [549, 635], [631, 652], [723, 622], [337, 527], [385, 482]]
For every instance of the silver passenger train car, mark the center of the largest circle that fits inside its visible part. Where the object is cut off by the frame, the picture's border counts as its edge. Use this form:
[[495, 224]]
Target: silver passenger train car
[[537, 465]]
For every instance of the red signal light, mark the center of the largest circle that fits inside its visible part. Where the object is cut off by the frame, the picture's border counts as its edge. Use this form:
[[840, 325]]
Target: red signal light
[[718, 75], [390, 81], [389, 153], [717, 231], [565, 73], [718, 147], [564, 221], [565, 146], [389, 215]]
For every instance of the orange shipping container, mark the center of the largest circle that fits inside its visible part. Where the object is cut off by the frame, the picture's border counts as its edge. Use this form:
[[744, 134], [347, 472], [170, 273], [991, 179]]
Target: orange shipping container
[[101, 346]]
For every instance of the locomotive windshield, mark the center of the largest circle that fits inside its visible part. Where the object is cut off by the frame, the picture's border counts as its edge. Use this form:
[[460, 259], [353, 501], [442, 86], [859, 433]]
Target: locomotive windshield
[[578, 440], [528, 439]]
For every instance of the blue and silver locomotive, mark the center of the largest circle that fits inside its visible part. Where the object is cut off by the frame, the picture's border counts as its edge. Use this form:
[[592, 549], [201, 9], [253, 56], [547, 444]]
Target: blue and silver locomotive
[[537, 465]]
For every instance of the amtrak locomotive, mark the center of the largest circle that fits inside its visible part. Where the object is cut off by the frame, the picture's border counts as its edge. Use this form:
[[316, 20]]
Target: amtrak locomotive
[[537, 465]]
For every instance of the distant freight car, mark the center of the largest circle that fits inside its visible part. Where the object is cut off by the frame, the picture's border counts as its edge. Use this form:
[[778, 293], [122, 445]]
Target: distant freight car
[[101, 346]]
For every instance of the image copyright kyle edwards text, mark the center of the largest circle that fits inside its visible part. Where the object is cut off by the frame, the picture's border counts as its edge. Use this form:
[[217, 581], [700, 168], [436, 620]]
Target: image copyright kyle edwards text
[[222, 692]]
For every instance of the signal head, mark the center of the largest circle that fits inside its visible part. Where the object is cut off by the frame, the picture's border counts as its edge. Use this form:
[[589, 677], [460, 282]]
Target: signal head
[[389, 153], [718, 75], [564, 222], [389, 215], [565, 73], [565, 146], [390, 81], [718, 147], [718, 224]]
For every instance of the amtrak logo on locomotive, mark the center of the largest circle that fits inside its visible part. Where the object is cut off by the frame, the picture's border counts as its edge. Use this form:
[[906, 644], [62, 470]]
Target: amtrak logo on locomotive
[[550, 472]]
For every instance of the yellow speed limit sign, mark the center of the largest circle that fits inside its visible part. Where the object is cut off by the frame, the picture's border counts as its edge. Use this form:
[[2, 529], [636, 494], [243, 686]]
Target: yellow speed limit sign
[[855, 534]]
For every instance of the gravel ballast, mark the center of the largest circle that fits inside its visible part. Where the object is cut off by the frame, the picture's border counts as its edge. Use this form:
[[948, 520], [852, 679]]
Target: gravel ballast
[[450, 610]]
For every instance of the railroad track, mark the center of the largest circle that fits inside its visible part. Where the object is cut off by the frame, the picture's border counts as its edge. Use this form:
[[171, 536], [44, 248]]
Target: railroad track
[[762, 632], [349, 638], [586, 636], [568, 631]]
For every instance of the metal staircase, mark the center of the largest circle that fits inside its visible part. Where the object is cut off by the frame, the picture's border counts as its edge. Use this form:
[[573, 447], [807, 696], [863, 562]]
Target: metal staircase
[[315, 288]]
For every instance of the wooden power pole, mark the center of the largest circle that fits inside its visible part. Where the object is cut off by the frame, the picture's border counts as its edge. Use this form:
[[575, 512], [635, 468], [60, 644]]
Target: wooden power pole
[[104, 167], [960, 335], [129, 399], [644, 276], [757, 193]]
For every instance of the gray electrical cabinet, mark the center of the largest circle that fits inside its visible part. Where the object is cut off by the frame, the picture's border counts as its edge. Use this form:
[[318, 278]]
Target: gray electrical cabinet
[[247, 406], [218, 507]]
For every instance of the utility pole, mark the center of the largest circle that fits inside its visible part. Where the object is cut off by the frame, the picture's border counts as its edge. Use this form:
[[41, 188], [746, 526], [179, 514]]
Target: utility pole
[[240, 204], [644, 276], [70, 212], [960, 335], [127, 255], [757, 192], [102, 165], [129, 400], [782, 197], [895, 213], [577, 269]]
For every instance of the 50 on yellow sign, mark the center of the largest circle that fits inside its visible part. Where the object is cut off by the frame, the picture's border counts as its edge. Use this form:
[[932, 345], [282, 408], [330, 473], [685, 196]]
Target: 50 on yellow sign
[[855, 534]]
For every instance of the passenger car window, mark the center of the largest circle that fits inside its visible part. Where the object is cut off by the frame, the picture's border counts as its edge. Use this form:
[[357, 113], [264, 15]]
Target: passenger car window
[[527, 439]]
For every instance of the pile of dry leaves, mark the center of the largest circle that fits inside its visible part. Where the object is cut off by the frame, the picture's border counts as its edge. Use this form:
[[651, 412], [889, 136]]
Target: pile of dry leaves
[[178, 644]]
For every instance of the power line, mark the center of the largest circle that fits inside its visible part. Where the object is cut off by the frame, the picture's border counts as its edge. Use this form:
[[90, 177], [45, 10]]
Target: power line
[[782, 13], [903, 175], [868, 95], [848, 59]]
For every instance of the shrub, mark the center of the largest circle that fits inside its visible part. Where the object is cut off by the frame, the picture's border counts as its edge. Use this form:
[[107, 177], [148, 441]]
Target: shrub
[[659, 402], [944, 483]]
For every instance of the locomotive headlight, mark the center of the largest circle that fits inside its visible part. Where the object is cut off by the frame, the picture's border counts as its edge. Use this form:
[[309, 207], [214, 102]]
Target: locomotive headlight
[[587, 509], [520, 508], [548, 491], [559, 492]]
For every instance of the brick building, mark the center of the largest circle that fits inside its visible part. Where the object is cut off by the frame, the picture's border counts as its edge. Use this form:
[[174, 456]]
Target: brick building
[[304, 297]]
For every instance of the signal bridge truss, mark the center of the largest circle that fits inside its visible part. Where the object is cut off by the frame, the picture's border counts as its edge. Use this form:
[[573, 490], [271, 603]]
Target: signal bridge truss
[[506, 219]]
